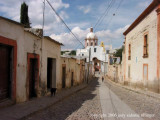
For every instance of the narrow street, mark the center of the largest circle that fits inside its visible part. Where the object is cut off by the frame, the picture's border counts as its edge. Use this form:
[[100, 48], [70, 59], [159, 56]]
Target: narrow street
[[102, 101]]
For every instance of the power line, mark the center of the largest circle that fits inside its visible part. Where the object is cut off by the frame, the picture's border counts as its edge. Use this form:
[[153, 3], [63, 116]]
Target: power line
[[114, 15], [119, 5], [63, 22], [104, 14], [106, 11], [101, 16], [109, 21]]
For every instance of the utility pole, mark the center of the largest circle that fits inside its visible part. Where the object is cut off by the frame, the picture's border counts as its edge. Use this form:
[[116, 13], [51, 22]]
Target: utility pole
[[104, 65], [42, 39], [89, 64]]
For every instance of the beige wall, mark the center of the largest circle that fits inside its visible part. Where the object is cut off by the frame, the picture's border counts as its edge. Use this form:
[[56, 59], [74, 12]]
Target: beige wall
[[45, 48], [26, 43], [72, 65], [115, 73], [49, 50], [136, 39]]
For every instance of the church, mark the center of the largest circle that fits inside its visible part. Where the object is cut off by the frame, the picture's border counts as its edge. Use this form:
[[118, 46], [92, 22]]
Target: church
[[94, 53]]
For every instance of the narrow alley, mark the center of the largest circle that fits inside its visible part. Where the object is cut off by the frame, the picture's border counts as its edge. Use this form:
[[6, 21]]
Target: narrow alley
[[102, 100]]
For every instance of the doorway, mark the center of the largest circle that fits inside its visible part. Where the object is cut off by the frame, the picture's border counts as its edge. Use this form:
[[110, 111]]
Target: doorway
[[5, 72], [72, 74], [51, 73], [145, 74], [63, 76], [33, 75]]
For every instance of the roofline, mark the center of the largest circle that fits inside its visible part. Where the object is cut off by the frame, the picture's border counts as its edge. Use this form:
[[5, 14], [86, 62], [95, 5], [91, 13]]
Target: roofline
[[47, 37], [32, 34], [147, 11], [12, 21]]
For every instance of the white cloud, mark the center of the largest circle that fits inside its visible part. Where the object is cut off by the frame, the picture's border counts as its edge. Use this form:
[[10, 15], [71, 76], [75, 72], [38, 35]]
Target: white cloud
[[11, 9], [85, 9], [64, 15], [105, 35]]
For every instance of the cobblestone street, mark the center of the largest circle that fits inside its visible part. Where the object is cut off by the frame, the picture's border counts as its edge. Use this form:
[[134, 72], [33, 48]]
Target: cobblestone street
[[88, 104], [80, 106], [140, 103]]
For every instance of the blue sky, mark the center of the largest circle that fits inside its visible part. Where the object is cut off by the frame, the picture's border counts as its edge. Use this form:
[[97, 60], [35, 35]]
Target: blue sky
[[79, 15]]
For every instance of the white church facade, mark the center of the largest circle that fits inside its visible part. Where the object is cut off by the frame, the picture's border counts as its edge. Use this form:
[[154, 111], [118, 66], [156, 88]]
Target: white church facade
[[95, 54]]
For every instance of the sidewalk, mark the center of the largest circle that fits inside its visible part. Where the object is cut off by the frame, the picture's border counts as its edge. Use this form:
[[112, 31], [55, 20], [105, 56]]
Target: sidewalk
[[137, 90], [22, 110], [113, 107]]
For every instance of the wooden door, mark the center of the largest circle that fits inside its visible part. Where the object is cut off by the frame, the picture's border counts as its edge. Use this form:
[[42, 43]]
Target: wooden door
[[63, 77], [32, 77], [49, 73], [72, 79], [4, 72]]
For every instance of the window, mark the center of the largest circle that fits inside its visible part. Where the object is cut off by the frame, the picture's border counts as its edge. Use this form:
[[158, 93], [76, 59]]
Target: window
[[129, 52], [91, 44], [145, 47], [95, 49], [87, 44], [82, 54]]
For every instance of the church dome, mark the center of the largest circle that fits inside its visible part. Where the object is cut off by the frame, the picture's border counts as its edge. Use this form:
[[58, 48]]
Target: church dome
[[91, 35], [91, 39]]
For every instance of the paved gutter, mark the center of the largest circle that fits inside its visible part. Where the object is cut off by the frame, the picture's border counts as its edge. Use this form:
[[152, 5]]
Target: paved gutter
[[23, 110], [137, 90]]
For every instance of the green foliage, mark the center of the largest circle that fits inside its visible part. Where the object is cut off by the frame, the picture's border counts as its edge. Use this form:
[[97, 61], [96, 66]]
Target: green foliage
[[119, 53], [73, 52], [24, 19], [62, 52]]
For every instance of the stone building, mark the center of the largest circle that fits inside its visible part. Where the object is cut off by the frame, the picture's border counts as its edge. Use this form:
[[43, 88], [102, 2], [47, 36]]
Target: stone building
[[142, 50], [25, 59], [51, 61], [72, 72]]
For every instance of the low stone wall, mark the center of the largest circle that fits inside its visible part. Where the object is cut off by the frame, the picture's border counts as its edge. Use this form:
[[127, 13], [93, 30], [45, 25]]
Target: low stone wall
[[75, 67], [115, 73]]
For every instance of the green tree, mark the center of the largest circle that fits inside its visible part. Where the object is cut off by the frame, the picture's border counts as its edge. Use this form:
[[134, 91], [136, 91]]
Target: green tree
[[73, 52], [24, 19], [119, 52]]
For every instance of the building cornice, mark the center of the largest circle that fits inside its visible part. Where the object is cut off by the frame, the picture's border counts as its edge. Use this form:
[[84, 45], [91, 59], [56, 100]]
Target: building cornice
[[146, 12]]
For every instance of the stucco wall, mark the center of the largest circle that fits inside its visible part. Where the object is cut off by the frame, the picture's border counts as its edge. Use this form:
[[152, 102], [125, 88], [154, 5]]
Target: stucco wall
[[136, 39], [26, 43], [49, 50], [72, 65]]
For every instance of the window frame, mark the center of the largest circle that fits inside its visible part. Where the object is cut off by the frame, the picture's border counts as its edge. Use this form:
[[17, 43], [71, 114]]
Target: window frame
[[129, 52], [145, 46]]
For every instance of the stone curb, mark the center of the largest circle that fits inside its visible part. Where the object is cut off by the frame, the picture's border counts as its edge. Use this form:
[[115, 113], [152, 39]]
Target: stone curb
[[139, 91], [18, 115], [50, 105]]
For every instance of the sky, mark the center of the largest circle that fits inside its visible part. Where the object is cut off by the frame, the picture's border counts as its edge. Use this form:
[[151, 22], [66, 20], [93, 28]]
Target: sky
[[79, 15]]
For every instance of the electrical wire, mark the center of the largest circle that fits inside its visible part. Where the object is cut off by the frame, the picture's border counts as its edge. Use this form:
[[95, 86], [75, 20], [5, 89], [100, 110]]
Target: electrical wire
[[106, 11], [104, 14], [64, 22]]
